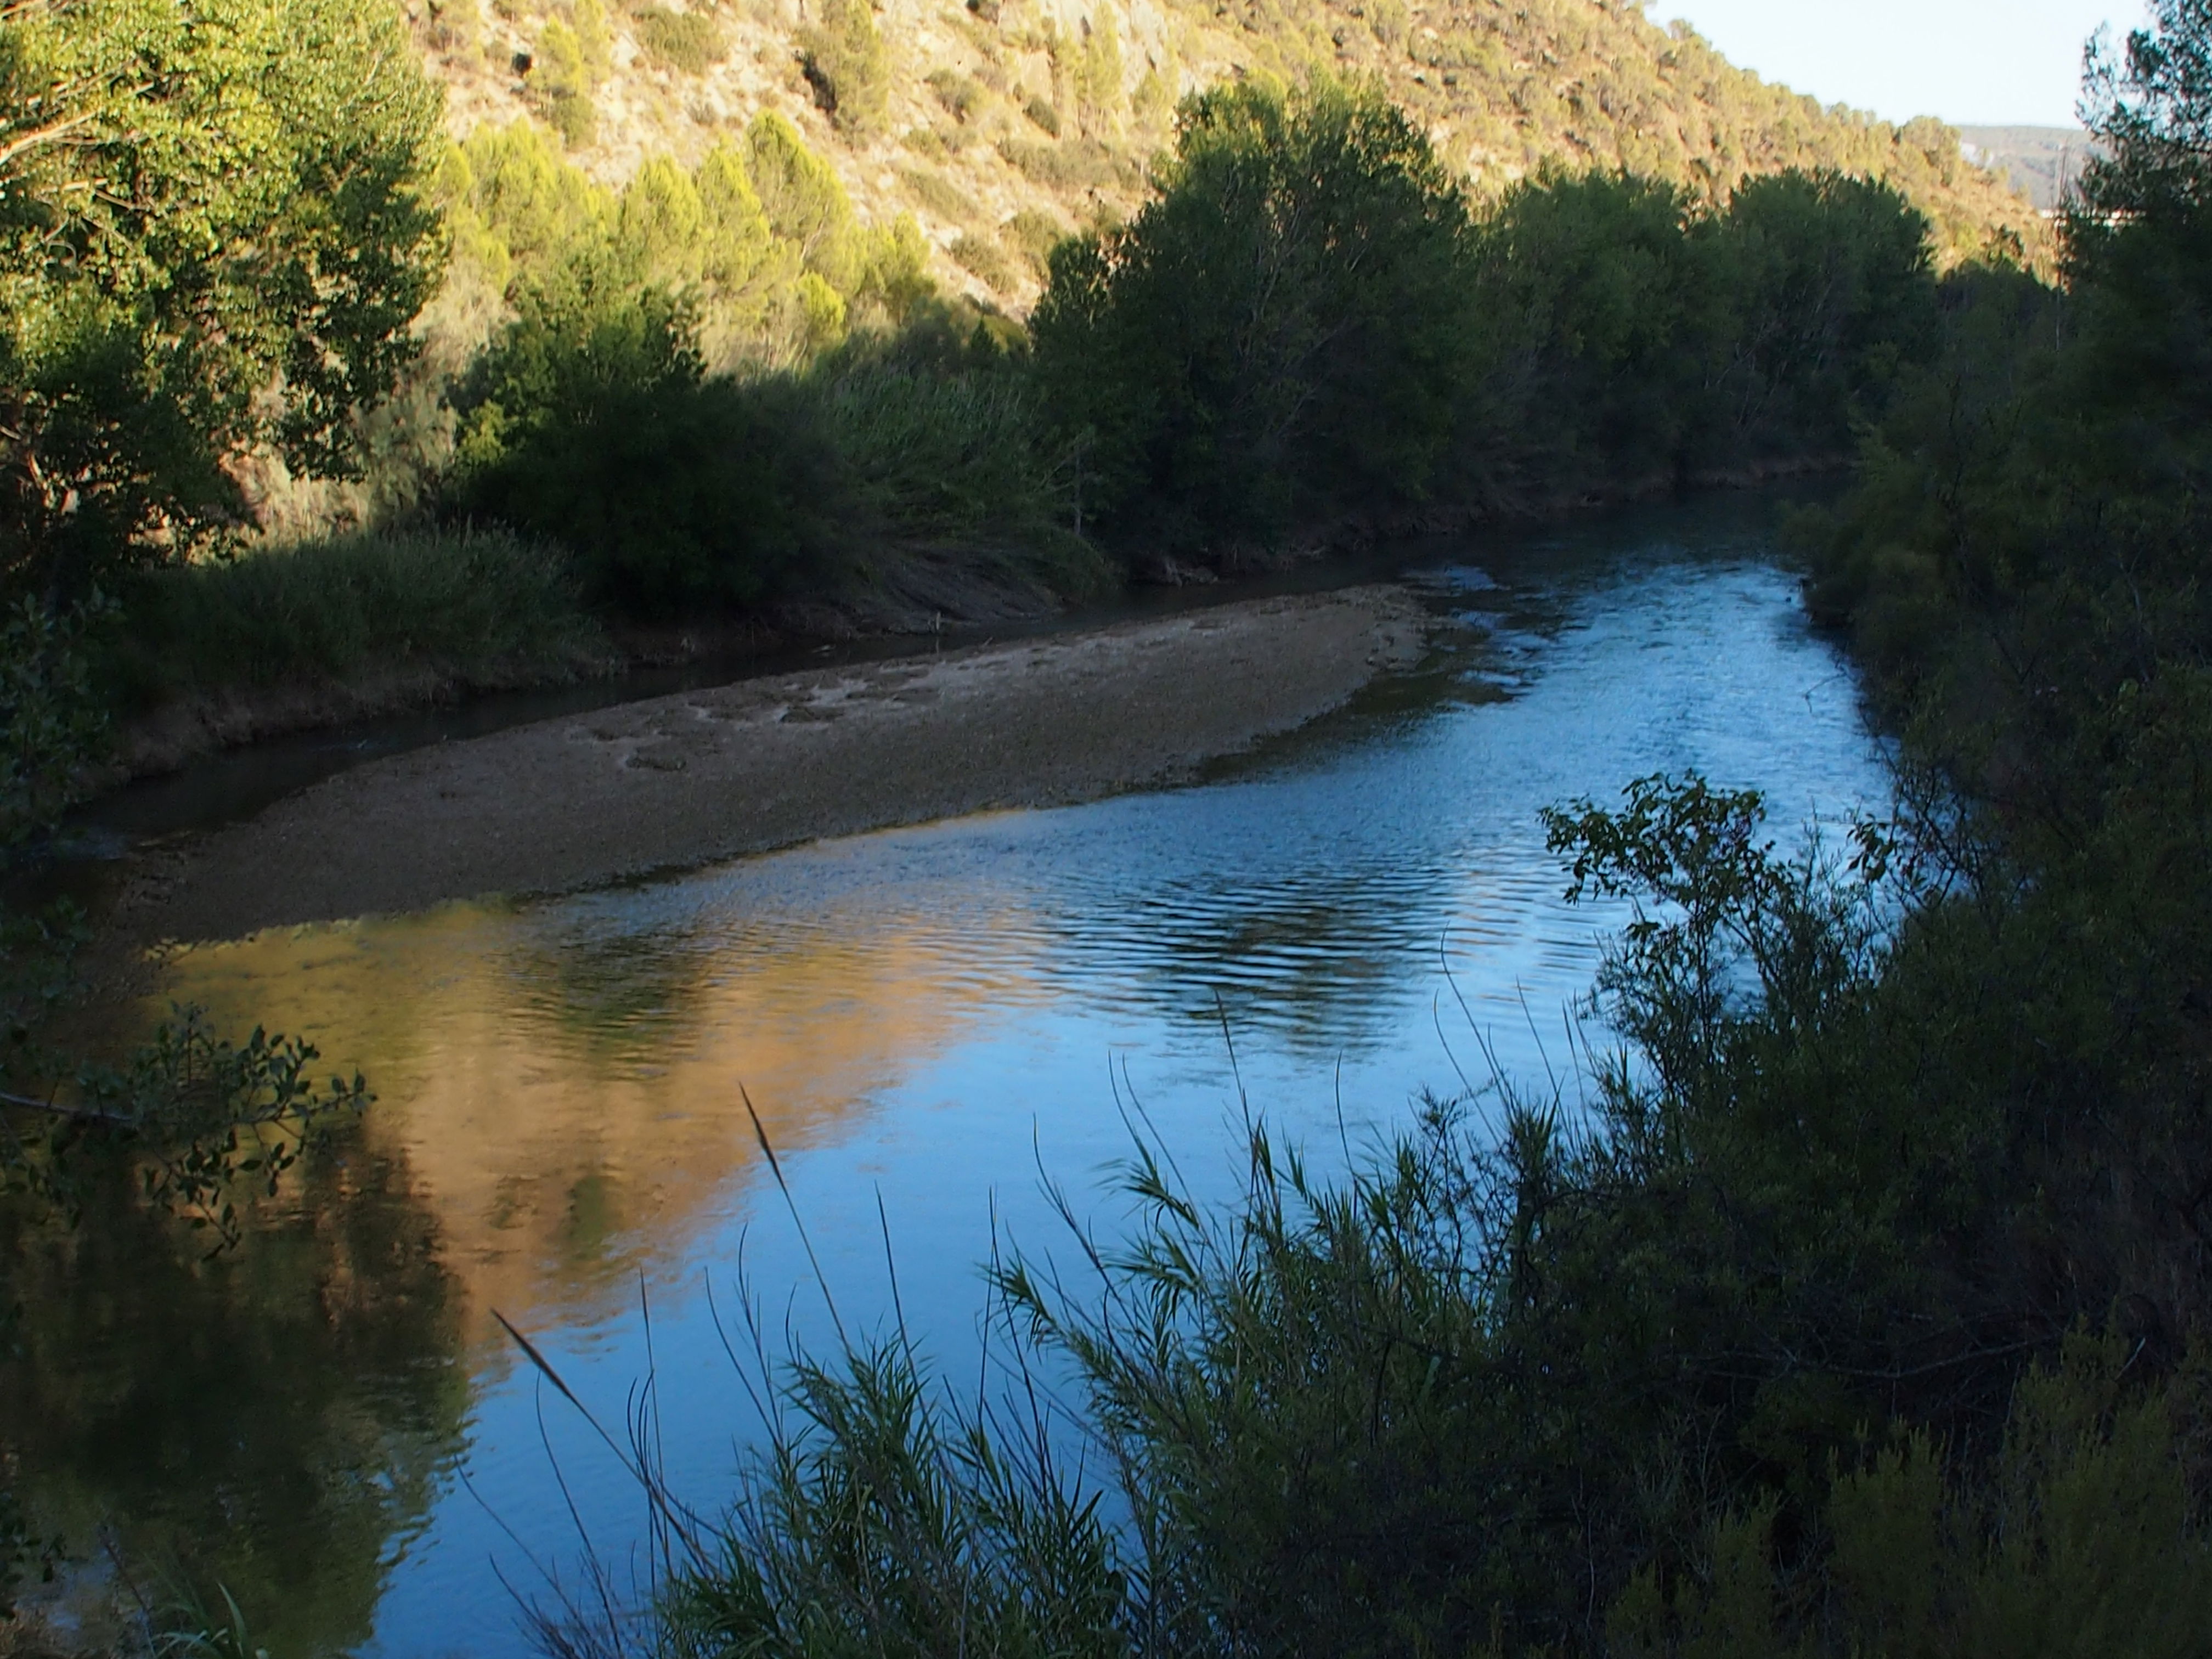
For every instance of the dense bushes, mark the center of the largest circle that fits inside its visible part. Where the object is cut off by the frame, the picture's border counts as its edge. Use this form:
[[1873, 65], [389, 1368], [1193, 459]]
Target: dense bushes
[[847, 66], [1308, 323], [1783, 1346], [591, 421], [686, 40], [483, 604]]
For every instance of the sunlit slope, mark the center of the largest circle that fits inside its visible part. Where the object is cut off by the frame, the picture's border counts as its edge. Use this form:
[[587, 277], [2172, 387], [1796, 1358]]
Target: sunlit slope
[[1000, 124]]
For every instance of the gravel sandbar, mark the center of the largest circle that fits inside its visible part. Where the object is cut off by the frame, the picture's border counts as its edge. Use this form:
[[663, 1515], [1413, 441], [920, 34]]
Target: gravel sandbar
[[702, 775]]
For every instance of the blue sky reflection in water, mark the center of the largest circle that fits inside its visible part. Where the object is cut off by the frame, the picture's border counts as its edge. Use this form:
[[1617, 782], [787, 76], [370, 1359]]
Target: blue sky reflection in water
[[932, 1015]]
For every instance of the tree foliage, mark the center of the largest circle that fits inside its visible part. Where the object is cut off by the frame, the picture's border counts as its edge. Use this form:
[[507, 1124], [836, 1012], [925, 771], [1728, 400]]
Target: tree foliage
[[735, 239], [1279, 333], [1311, 323], [211, 239]]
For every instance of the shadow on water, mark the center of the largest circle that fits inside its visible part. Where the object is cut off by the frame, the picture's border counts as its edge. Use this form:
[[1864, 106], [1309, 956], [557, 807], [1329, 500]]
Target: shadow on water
[[925, 1018]]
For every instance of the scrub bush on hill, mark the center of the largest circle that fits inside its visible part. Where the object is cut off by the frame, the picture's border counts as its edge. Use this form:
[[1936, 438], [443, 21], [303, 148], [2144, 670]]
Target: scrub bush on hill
[[757, 239], [562, 84], [846, 64], [686, 40]]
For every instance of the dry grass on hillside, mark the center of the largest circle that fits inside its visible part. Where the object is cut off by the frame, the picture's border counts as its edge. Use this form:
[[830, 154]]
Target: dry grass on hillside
[[997, 115]]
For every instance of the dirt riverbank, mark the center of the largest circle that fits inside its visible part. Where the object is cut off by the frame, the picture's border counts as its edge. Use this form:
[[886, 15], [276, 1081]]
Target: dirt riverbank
[[687, 778]]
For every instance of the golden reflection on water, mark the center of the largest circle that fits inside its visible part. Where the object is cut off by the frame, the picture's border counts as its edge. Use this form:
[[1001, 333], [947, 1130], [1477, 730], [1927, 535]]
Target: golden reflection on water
[[566, 1102]]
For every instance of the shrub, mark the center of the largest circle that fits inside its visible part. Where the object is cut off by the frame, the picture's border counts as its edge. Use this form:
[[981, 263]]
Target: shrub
[[983, 257], [944, 447], [1035, 235], [1043, 116], [2077, 1537], [677, 497], [483, 603], [455, 26], [847, 66], [1097, 74], [929, 143], [560, 86], [1076, 164], [962, 96], [688, 40], [939, 194], [1386, 19]]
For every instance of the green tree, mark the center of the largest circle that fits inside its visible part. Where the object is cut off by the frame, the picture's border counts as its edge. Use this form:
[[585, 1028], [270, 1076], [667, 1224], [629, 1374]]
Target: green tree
[[805, 201], [2139, 251], [212, 239], [1830, 285], [1099, 99], [590, 420], [562, 83], [1607, 310], [1279, 333]]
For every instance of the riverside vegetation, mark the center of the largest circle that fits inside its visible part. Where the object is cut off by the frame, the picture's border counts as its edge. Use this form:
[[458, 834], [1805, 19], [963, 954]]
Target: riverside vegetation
[[1864, 1314], [475, 315]]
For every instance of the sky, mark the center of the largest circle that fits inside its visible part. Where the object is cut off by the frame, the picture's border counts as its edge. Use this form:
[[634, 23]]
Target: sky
[[1974, 63]]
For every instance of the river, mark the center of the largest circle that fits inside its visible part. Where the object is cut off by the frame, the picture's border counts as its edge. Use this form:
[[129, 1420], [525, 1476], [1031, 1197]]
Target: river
[[930, 1022]]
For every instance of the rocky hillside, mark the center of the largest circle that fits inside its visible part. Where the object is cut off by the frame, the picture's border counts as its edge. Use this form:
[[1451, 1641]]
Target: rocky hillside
[[1000, 125]]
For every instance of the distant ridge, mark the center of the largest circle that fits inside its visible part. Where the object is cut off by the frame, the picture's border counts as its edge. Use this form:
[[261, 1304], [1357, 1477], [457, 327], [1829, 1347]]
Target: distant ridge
[[2044, 161]]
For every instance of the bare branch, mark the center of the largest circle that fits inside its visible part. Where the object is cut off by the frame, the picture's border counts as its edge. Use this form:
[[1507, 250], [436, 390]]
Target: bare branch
[[74, 1113], [53, 132]]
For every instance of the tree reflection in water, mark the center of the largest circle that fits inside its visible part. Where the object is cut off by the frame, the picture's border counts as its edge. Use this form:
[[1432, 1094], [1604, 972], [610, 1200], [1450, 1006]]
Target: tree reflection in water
[[273, 1420]]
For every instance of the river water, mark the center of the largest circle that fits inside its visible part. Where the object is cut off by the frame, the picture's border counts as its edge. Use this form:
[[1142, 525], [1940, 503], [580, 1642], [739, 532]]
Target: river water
[[930, 1022]]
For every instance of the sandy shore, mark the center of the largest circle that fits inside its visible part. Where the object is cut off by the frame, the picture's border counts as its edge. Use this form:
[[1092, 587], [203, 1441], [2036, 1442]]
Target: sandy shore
[[689, 779]]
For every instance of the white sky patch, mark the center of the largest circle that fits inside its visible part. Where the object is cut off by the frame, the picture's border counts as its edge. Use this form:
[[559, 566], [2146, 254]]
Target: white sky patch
[[1990, 63]]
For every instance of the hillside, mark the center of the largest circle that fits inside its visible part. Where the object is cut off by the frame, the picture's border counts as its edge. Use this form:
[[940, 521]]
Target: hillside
[[1000, 125]]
